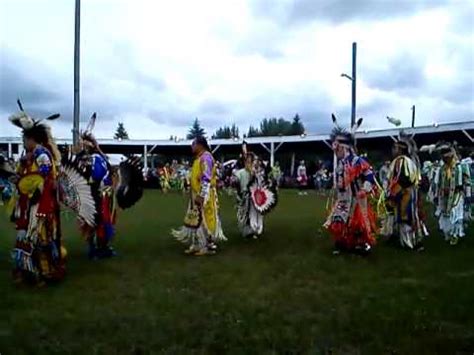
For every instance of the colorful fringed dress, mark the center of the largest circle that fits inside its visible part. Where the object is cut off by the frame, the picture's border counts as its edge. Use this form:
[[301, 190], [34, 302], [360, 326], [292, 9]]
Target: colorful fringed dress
[[38, 255], [250, 220], [99, 173], [352, 222], [402, 202], [202, 226], [451, 182]]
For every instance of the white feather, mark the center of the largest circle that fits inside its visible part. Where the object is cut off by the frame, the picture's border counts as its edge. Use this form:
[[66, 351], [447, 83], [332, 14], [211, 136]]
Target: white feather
[[428, 148], [394, 121], [23, 119], [84, 206]]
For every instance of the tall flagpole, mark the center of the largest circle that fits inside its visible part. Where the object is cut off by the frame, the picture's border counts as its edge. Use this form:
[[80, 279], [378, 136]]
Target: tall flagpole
[[77, 50]]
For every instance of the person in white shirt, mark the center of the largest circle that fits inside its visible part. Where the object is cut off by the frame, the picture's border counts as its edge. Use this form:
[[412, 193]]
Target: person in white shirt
[[302, 178]]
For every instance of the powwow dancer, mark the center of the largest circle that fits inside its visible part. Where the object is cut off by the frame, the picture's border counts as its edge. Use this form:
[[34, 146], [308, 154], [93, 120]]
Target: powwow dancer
[[276, 174], [403, 220], [202, 228], [7, 188], [302, 178], [453, 187], [256, 195], [351, 221], [383, 174], [164, 174], [468, 177], [183, 175], [94, 165], [39, 256]]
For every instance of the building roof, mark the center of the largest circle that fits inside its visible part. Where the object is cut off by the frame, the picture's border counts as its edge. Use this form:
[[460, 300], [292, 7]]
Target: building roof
[[363, 134]]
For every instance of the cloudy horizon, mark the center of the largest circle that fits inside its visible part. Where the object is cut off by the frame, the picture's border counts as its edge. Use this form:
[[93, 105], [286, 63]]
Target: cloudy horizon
[[155, 66]]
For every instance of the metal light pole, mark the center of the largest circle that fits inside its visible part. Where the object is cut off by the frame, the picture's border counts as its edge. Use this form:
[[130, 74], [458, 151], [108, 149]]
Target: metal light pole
[[77, 47], [413, 116], [354, 79]]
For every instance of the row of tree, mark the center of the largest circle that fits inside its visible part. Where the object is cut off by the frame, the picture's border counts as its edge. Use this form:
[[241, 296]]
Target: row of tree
[[268, 127]]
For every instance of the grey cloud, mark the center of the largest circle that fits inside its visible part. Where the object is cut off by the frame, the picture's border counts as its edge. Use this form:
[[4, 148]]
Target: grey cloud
[[156, 85], [314, 108], [40, 89], [403, 73], [339, 11], [213, 106], [316, 121], [263, 43], [267, 50], [174, 117], [463, 17], [460, 92], [376, 111], [126, 67], [17, 82]]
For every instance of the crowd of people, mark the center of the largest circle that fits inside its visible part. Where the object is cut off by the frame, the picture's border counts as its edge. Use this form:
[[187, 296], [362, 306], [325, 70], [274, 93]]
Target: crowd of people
[[393, 208], [174, 176], [364, 205], [169, 177]]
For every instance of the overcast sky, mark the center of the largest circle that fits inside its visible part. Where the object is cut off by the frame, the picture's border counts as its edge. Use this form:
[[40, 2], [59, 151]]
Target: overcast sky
[[155, 65]]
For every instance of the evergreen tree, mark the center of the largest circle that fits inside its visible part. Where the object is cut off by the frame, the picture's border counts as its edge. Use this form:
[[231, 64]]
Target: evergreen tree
[[277, 127], [234, 130], [253, 132], [226, 132], [297, 127], [196, 130], [121, 132]]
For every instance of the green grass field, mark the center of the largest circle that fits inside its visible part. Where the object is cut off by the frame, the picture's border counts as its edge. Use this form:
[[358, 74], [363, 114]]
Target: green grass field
[[284, 293]]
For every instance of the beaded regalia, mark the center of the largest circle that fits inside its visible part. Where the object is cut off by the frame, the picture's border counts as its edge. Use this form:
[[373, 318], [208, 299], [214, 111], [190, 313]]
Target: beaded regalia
[[351, 221], [202, 228], [452, 193], [403, 219], [39, 255], [256, 194]]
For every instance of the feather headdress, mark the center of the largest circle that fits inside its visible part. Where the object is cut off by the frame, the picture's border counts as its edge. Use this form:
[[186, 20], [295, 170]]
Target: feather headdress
[[428, 148], [27, 123], [446, 148], [442, 148], [87, 134], [407, 143], [35, 129], [342, 135]]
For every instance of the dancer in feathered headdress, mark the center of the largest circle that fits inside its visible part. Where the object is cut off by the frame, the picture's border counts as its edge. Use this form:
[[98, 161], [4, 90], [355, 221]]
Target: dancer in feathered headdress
[[256, 194], [453, 188], [351, 221], [39, 255], [94, 164], [202, 228], [403, 220]]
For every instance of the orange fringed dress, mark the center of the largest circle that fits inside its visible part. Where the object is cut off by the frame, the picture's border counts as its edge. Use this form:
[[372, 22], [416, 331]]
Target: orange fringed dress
[[352, 221]]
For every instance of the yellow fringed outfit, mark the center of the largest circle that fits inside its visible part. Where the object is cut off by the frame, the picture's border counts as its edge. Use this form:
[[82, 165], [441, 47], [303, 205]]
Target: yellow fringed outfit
[[202, 227]]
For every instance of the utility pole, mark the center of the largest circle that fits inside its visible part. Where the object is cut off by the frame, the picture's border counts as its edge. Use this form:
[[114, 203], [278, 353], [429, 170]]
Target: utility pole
[[77, 50], [413, 116], [354, 65]]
